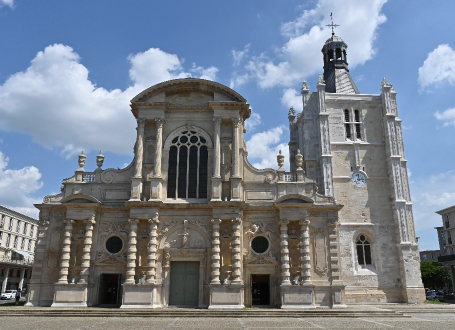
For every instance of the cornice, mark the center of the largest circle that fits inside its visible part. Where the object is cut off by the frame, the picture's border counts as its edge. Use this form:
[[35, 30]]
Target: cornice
[[187, 84]]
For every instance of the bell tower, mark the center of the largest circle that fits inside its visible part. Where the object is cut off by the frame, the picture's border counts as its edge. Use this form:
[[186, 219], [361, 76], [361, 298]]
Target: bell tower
[[336, 72]]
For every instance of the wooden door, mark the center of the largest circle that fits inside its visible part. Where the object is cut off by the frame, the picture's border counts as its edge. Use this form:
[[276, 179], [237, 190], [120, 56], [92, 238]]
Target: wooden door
[[184, 286]]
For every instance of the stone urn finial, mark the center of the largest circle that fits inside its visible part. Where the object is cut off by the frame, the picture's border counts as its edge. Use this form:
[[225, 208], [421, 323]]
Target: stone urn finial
[[280, 160], [100, 159], [82, 158], [298, 160]]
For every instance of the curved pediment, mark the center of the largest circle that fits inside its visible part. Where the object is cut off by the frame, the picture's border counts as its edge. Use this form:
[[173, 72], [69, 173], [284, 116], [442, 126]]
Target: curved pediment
[[188, 92], [294, 199], [80, 198]]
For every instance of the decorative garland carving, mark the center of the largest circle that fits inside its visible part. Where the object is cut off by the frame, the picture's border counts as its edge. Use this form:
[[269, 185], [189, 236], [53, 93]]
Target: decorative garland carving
[[259, 258], [260, 228], [110, 259]]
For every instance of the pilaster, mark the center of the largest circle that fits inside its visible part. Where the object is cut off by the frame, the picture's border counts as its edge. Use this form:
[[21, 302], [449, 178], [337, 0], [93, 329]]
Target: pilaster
[[216, 179], [136, 182]]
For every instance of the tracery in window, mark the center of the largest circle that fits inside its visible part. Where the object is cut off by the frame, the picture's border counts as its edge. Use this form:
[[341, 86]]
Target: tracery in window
[[363, 250], [188, 166]]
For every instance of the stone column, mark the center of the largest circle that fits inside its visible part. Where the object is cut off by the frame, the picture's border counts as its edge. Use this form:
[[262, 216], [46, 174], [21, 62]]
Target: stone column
[[139, 147], [132, 249], [86, 250], [159, 145], [151, 257], [236, 252], [40, 250], [285, 274], [216, 172], [66, 252], [21, 282], [215, 251], [235, 147], [5, 279], [305, 252]]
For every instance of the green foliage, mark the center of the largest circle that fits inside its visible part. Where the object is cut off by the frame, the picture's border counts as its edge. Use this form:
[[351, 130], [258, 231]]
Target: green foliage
[[434, 301], [434, 275]]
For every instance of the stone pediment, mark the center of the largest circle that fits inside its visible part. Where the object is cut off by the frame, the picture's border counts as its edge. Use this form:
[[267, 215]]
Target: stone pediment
[[188, 92], [294, 199], [80, 198]]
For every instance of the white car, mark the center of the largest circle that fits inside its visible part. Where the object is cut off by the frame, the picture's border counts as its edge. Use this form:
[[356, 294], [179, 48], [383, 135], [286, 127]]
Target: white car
[[8, 294]]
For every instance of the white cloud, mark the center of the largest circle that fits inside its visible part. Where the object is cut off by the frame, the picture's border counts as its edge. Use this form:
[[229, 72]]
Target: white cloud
[[291, 98], [17, 185], [430, 195], [55, 102], [239, 55], [448, 116], [9, 3], [439, 66], [263, 148], [209, 73], [252, 122], [301, 55]]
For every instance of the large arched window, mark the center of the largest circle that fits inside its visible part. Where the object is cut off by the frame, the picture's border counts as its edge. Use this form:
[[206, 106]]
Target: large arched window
[[363, 250], [187, 171]]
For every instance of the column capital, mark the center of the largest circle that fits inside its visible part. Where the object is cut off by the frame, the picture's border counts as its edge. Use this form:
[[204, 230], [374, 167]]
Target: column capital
[[216, 221], [141, 123], [217, 121], [304, 222], [68, 222], [160, 122], [133, 221], [90, 221], [333, 223], [284, 222], [235, 122], [237, 220], [154, 220], [43, 223]]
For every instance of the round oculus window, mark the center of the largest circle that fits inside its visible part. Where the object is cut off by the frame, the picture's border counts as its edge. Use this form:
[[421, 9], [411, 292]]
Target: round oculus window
[[260, 244], [114, 244]]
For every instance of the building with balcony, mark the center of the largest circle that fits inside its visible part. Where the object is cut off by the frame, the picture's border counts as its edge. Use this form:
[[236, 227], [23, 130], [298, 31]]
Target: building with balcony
[[18, 234]]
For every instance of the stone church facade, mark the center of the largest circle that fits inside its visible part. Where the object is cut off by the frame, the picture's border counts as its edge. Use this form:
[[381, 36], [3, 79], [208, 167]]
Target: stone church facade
[[190, 222]]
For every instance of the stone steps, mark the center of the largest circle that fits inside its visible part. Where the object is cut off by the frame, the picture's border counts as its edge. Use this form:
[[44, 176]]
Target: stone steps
[[99, 312]]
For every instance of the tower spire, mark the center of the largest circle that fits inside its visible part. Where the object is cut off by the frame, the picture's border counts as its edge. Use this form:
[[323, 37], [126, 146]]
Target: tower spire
[[332, 25]]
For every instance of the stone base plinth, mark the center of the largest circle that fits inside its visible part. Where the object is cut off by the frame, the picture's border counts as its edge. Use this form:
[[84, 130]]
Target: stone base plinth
[[139, 296], [297, 296], [70, 295], [414, 295], [226, 296], [338, 299]]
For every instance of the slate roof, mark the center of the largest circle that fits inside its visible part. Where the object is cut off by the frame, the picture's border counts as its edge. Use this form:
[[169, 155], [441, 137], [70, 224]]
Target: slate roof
[[339, 81]]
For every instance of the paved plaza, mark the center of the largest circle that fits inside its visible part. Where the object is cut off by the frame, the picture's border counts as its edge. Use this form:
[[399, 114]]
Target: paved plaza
[[417, 319]]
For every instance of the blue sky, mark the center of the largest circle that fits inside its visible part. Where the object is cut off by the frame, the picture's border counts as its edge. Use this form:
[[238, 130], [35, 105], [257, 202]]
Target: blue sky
[[69, 68]]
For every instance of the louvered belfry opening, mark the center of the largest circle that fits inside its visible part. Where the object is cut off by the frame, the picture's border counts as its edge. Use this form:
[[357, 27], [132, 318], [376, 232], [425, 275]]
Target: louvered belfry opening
[[188, 163]]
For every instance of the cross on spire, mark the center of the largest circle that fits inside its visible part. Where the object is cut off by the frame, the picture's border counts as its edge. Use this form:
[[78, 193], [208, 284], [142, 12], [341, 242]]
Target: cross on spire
[[332, 25]]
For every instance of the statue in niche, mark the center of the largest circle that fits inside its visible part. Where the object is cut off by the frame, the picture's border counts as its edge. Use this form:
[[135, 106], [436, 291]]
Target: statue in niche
[[185, 234]]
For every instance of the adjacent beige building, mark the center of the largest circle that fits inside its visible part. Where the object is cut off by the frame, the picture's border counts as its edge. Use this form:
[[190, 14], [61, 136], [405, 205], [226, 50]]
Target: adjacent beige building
[[18, 233], [447, 240], [190, 222]]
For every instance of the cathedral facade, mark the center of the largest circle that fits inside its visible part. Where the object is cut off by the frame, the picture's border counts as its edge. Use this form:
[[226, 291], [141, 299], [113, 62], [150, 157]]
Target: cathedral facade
[[190, 222]]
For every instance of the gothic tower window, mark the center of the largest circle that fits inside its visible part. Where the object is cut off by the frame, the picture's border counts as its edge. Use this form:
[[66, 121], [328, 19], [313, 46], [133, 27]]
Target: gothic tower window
[[188, 164], [357, 124], [363, 250], [347, 124]]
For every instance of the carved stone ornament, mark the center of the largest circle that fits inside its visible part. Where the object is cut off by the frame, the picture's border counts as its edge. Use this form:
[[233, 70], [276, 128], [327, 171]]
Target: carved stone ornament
[[100, 159], [260, 228], [110, 259], [79, 233], [81, 160], [251, 258], [294, 230], [226, 230], [299, 160], [113, 228], [280, 160]]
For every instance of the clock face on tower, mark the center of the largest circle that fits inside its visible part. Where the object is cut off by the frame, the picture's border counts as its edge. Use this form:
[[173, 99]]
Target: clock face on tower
[[358, 179]]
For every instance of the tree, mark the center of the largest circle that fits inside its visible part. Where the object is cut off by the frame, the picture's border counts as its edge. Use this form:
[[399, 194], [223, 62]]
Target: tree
[[434, 275]]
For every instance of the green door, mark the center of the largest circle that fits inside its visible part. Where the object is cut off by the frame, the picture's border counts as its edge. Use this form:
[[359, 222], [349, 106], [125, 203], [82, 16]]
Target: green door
[[184, 290]]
